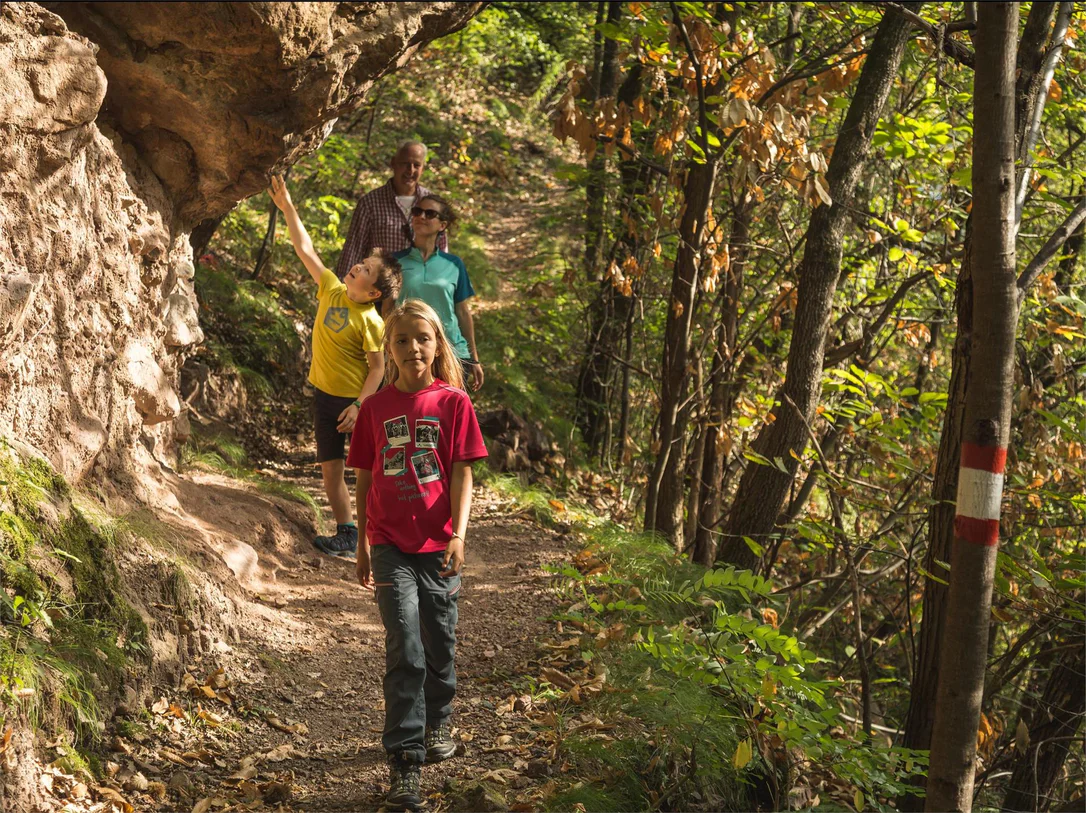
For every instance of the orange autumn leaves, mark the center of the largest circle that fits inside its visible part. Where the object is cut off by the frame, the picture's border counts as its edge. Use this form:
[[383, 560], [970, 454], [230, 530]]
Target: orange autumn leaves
[[758, 121]]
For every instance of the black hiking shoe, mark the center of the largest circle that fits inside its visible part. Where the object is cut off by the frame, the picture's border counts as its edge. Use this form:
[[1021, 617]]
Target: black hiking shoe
[[439, 743], [344, 543], [403, 778]]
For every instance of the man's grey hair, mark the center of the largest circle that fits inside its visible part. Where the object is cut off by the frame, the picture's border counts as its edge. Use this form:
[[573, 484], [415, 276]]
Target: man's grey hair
[[410, 144]]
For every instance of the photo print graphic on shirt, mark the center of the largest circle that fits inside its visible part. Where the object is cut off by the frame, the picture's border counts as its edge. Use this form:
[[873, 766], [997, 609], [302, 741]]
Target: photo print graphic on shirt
[[427, 431], [397, 432], [335, 319], [426, 466], [395, 461]]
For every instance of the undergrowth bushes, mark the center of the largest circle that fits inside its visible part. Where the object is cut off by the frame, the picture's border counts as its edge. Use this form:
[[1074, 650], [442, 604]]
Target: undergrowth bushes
[[716, 703]]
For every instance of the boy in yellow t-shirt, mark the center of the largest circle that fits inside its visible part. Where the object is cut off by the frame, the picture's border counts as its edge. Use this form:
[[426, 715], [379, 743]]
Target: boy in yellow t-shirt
[[348, 361]]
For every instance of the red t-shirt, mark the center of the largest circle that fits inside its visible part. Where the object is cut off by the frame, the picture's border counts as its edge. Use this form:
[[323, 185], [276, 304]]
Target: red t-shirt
[[409, 441]]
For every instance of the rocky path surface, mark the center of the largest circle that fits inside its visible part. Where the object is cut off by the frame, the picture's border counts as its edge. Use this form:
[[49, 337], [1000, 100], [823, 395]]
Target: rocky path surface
[[289, 715]]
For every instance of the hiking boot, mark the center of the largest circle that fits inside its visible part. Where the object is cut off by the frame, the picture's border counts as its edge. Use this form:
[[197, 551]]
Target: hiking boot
[[344, 543], [403, 778], [439, 743]]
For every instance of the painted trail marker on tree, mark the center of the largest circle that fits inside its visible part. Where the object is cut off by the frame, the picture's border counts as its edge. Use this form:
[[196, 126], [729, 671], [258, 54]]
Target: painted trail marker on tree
[[980, 489]]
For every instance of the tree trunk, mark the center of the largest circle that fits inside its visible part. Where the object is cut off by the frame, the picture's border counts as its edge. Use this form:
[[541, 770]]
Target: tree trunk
[[763, 489], [267, 243], [921, 714], [922, 699], [665, 515], [1056, 722], [603, 85], [608, 313], [721, 391], [964, 648]]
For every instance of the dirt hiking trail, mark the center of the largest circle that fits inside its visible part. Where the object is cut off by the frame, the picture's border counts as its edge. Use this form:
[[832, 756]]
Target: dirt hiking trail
[[286, 711], [289, 713]]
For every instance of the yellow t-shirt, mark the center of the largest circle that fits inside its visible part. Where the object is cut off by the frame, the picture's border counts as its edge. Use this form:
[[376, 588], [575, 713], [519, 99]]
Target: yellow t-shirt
[[343, 333]]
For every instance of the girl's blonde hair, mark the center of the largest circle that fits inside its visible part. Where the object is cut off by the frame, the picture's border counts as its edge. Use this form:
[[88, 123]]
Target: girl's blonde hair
[[446, 364]]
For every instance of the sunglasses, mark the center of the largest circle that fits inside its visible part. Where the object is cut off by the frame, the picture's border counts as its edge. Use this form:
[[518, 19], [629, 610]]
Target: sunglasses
[[429, 214]]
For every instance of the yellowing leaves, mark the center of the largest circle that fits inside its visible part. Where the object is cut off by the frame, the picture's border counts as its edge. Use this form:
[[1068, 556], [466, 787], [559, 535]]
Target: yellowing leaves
[[742, 755]]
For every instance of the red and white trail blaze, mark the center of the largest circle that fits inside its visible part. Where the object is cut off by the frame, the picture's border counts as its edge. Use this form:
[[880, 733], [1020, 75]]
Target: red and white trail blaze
[[980, 488]]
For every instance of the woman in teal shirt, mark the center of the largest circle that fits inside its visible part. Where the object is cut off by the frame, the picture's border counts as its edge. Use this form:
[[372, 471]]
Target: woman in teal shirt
[[441, 281]]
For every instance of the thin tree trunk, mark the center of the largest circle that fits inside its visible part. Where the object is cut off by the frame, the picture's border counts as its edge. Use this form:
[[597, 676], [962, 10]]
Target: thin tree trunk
[[267, 243], [608, 313], [664, 494], [1057, 719], [666, 518], [603, 85], [722, 390], [964, 648], [763, 489]]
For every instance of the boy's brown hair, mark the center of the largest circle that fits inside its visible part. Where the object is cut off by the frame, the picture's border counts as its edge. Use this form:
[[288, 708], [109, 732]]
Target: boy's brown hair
[[390, 278]]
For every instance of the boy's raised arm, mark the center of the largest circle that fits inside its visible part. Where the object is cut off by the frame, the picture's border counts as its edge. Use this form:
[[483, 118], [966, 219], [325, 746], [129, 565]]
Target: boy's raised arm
[[299, 237]]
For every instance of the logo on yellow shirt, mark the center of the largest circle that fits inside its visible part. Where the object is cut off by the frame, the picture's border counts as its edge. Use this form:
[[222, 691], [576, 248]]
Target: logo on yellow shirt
[[336, 319]]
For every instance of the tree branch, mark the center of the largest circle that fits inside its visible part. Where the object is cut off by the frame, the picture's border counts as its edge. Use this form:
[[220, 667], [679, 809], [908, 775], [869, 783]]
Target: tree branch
[[1050, 248], [951, 47], [1029, 140], [845, 350]]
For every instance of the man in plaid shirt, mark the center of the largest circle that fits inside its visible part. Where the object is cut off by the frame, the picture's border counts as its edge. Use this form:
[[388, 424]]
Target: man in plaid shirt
[[382, 218]]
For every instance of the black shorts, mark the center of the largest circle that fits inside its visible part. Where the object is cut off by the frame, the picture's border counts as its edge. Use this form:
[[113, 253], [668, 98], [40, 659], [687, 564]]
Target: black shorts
[[326, 410]]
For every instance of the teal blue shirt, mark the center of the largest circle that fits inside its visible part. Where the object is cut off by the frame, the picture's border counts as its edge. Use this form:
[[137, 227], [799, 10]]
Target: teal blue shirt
[[441, 282]]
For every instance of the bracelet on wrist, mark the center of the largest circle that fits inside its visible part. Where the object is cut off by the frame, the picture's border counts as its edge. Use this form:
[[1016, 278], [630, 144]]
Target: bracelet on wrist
[[456, 536], [356, 403]]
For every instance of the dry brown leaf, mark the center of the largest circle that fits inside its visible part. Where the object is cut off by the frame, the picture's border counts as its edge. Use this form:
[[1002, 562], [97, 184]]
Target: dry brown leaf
[[120, 746], [556, 678], [208, 802], [595, 724], [279, 753], [217, 679], [173, 757], [112, 797], [160, 706]]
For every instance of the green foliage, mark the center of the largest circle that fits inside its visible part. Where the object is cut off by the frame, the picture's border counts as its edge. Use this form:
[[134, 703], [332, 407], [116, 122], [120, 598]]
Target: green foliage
[[248, 328], [710, 650], [533, 39], [65, 639]]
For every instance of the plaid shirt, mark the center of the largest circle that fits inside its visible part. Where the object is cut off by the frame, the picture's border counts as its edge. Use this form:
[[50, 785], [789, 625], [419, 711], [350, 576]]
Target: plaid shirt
[[379, 222]]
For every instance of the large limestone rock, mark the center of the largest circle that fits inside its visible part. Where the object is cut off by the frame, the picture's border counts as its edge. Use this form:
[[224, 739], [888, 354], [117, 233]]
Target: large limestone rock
[[123, 127], [213, 94]]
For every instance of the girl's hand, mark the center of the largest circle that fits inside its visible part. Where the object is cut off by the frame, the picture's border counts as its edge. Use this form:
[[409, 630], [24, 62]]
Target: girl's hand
[[476, 377], [362, 566], [347, 419], [454, 558], [279, 194]]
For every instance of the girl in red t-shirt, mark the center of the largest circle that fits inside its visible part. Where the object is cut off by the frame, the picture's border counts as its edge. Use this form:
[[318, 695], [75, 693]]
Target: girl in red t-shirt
[[412, 449]]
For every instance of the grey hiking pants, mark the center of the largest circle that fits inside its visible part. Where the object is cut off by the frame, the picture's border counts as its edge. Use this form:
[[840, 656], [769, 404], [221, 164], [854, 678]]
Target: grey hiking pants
[[418, 609]]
